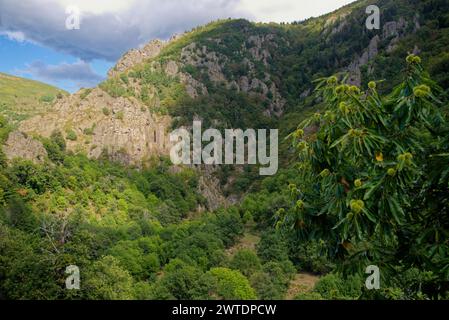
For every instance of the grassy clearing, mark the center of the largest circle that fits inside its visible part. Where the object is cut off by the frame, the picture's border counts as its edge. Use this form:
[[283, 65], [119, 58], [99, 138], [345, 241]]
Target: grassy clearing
[[21, 98]]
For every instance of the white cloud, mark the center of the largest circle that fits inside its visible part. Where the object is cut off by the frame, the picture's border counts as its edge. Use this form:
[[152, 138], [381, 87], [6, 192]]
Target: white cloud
[[79, 73], [111, 27], [98, 6], [14, 35], [107, 33], [289, 10]]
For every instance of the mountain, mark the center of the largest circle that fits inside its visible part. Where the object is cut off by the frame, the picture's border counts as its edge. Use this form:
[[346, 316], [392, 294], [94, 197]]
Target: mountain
[[234, 73], [23, 98], [87, 183], [238, 74]]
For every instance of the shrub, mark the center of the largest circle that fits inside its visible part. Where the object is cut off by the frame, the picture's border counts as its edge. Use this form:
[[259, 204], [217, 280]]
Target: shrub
[[85, 93], [246, 261], [334, 287], [71, 135], [230, 285], [106, 111], [47, 98], [313, 256], [266, 288], [89, 131], [120, 115], [272, 247]]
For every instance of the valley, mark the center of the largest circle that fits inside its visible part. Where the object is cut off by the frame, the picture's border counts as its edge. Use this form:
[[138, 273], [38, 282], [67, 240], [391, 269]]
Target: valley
[[353, 171]]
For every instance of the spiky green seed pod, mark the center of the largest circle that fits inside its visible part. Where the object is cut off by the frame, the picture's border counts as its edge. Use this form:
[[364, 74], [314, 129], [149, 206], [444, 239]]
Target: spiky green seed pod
[[343, 107], [332, 80], [341, 89], [357, 206], [372, 85], [300, 204], [409, 58], [302, 146], [421, 91], [355, 133], [358, 183], [299, 133], [354, 90], [329, 115], [413, 59], [391, 172], [406, 158]]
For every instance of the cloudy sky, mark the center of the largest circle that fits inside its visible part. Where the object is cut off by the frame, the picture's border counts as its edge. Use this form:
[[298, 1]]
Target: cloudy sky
[[35, 42]]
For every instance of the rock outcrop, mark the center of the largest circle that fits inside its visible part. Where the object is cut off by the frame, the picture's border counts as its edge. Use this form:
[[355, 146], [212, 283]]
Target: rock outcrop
[[137, 56], [355, 73], [98, 123], [209, 187], [392, 31], [20, 145]]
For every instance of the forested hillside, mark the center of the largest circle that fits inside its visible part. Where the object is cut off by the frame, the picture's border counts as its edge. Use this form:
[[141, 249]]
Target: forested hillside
[[364, 179]]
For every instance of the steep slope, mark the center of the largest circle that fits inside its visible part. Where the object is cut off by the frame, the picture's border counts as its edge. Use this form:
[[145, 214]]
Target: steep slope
[[233, 73], [22, 98], [143, 234]]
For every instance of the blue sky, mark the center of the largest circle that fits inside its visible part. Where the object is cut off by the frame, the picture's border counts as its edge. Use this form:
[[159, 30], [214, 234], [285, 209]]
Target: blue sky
[[17, 58], [35, 43]]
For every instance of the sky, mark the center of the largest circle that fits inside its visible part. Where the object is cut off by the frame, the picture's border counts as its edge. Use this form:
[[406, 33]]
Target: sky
[[39, 39]]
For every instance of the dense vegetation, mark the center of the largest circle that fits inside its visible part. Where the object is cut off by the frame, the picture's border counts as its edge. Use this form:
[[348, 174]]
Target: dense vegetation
[[370, 188], [300, 52], [364, 179], [134, 235]]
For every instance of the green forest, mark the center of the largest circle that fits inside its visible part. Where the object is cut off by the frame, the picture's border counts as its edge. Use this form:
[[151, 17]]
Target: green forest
[[369, 187], [364, 177]]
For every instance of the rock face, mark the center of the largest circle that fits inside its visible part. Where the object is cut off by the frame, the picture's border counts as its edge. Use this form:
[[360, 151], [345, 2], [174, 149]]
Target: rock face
[[122, 127], [213, 65], [209, 187], [392, 31], [136, 56], [259, 46], [203, 58], [19, 145], [370, 53]]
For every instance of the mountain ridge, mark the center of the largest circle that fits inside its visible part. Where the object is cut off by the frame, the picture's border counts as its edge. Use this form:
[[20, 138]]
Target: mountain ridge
[[232, 74]]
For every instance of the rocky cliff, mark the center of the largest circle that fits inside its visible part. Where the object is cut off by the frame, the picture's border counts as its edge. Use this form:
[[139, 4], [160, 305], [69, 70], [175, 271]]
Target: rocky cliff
[[230, 73]]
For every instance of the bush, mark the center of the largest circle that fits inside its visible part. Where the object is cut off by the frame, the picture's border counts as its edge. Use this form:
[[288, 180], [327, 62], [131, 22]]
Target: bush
[[107, 280], [55, 146], [106, 111], [246, 261], [71, 135], [89, 131], [266, 288], [131, 256], [230, 285], [334, 287], [182, 282], [313, 256], [85, 93], [247, 218], [120, 115], [47, 98], [272, 247]]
